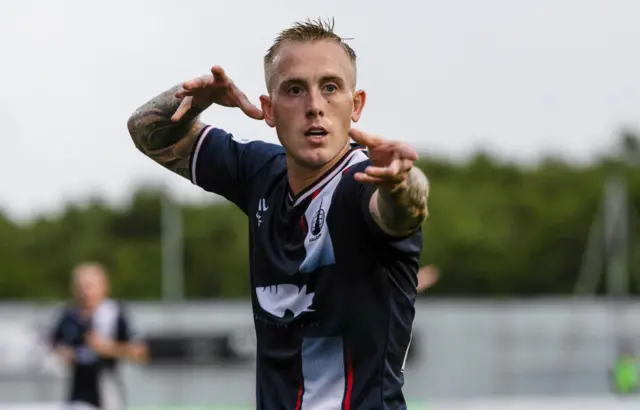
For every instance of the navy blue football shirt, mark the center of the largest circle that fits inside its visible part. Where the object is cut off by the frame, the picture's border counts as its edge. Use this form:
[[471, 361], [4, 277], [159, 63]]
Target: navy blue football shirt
[[332, 294]]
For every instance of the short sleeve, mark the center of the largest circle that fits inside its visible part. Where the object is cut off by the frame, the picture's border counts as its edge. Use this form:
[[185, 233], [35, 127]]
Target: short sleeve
[[56, 334], [358, 197], [125, 331], [228, 167], [60, 332]]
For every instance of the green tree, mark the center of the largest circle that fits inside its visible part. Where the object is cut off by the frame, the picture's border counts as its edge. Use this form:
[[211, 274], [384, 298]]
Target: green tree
[[495, 229]]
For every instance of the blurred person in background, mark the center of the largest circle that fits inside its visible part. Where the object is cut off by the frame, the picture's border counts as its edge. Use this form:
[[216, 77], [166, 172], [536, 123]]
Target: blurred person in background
[[91, 336], [624, 372]]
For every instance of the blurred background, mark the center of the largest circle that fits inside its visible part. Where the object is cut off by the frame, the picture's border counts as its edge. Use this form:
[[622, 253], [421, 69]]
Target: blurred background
[[527, 118]]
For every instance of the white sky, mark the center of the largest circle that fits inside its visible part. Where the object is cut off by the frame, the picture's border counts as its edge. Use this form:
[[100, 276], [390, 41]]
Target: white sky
[[521, 79]]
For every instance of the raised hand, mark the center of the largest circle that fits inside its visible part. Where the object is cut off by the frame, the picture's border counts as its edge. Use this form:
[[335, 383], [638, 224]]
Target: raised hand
[[216, 88], [392, 160]]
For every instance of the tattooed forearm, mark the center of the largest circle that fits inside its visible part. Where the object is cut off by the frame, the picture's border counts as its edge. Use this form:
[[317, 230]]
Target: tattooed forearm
[[403, 209], [167, 142]]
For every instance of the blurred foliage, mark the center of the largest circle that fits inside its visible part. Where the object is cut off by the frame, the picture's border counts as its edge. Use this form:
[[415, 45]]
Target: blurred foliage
[[495, 229]]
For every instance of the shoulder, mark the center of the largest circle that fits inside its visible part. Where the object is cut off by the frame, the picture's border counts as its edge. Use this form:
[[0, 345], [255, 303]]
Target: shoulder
[[66, 311], [118, 310], [63, 318], [211, 135], [229, 157], [108, 310], [358, 162], [119, 306], [348, 176]]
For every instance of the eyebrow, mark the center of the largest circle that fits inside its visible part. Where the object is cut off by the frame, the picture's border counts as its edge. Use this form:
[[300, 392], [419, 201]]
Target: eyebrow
[[327, 78]]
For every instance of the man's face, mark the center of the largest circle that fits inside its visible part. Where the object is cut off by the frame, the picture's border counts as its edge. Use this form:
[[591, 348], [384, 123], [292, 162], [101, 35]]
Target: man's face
[[312, 101], [90, 287]]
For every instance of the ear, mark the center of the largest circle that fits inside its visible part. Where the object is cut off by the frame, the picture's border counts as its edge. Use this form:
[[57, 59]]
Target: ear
[[267, 109], [359, 99]]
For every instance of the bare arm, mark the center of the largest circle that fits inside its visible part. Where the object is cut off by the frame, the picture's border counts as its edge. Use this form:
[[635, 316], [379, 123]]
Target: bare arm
[[134, 351], [165, 129], [401, 210], [167, 142], [64, 353]]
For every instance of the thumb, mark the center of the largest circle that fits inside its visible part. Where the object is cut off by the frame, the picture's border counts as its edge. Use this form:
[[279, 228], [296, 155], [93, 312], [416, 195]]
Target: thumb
[[249, 109], [252, 111]]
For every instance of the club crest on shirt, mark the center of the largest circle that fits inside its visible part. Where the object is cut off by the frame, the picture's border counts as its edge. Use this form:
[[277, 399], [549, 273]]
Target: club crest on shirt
[[317, 222]]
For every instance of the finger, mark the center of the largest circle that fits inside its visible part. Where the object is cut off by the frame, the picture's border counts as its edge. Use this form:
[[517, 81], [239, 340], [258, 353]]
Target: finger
[[397, 167], [399, 149], [252, 111], [382, 172], [364, 138], [184, 93], [394, 168], [393, 179], [200, 82], [183, 108], [219, 75], [367, 179], [405, 151], [405, 165], [245, 105]]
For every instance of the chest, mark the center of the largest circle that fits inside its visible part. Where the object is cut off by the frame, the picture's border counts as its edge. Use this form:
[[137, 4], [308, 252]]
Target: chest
[[294, 272], [74, 329], [103, 321], [298, 246], [295, 236]]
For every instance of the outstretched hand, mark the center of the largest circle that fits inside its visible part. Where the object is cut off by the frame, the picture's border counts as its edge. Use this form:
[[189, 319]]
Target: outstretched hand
[[392, 160], [216, 88]]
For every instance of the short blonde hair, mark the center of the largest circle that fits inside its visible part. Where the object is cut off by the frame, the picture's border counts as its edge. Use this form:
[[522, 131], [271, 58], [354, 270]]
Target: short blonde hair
[[305, 32], [88, 266]]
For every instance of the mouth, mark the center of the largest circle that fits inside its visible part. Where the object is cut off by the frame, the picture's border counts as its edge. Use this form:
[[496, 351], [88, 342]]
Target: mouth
[[316, 134]]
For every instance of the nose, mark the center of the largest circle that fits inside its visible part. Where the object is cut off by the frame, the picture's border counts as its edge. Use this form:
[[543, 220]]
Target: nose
[[315, 104]]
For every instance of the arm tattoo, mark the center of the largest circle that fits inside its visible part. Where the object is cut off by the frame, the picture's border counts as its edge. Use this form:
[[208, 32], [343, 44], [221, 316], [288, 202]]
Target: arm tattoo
[[404, 209], [167, 142]]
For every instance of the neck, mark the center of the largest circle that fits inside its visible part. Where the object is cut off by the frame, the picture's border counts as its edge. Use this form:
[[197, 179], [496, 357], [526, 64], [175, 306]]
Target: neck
[[301, 177], [88, 308]]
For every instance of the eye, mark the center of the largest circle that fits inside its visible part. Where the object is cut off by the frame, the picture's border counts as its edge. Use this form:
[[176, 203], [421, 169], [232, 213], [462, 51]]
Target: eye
[[331, 88], [295, 90]]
